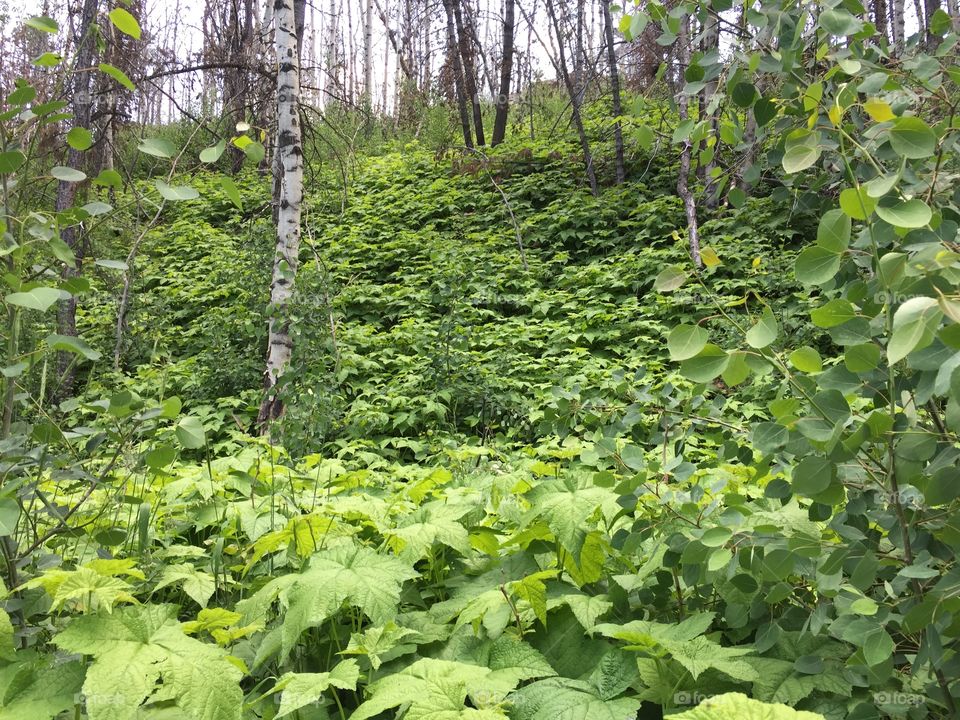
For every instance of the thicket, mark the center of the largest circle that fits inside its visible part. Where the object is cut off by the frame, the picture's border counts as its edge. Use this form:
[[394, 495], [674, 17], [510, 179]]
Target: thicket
[[535, 462]]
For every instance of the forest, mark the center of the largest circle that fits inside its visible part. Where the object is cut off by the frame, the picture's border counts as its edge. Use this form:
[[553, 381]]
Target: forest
[[480, 360]]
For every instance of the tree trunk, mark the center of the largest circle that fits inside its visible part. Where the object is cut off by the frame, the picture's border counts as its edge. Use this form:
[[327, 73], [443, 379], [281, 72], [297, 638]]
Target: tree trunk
[[289, 195], [953, 10], [614, 89], [506, 69], [457, 69], [898, 27], [469, 71], [579, 79], [683, 180], [330, 78], [711, 43], [368, 63], [574, 102], [880, 17], [929, 8], [81, 101]]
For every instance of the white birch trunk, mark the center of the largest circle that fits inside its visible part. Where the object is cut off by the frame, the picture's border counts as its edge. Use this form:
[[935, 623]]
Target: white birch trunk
[[368, 60], [289, 195]]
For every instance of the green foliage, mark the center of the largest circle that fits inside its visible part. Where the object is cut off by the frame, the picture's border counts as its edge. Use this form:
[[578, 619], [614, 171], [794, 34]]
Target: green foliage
[[534, 464]]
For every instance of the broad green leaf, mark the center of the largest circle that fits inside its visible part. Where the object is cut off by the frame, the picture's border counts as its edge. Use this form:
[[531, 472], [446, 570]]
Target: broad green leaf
[[11, 161], [79, 138], [157, 147], [377, 641], [880, 186], [567, 506], [833, 313], [348, 573], [302, 689], [744, 94], [706, 365], [764, 110], [833, 232], [41, 689], [566, 699], [176, 193], [160, 457], [111, 264], [877, 646], [878, 110], [737, 370], [9, 515], [816, 265], [213, 153], [414, 535], [839, 22], [736, 706], [97, 208], [913, 213], [48, 59], [125, 22], [117, 74], [429, 688], [764, 331], [686, 341], [67, 174], [198, 585], [812, 476], [806, 359], [190, 432], [645, 136], [670, 279], [862, 358], [39, 298], [75, 345], [135, 647], [857, 203], [912, 138], [231, 191], [109, 178], [799, 157], [914, 326], [22, 95], [769, 437], [42, 23], [255, 152], [709, 256]]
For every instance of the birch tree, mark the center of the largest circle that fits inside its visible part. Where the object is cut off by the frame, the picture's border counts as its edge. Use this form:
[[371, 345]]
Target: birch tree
[[81, 103], [288, 198]]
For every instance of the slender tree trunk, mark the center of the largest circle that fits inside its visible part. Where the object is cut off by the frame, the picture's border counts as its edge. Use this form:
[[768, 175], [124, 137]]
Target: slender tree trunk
[[81, 101], [368, 62], [574, 102], [506, 69], [351, 77], [579, 79], [929, 8], [454, 58], [880, 17], [683, 180], [614, 89], [711, 43], [289, 195], [953, 10], [330, 79], [469, 71], [898, 27]]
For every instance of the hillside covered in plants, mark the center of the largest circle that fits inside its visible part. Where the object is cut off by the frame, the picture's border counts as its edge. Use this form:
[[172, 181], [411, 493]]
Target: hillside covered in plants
[[649, 408]]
